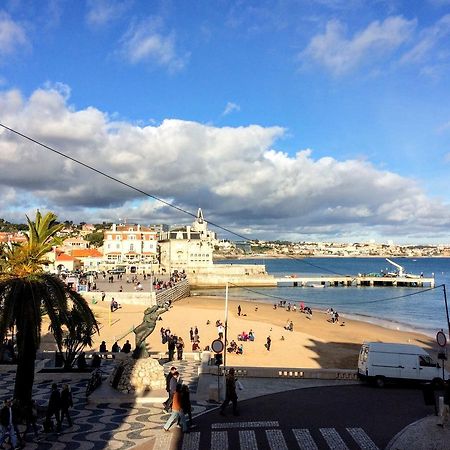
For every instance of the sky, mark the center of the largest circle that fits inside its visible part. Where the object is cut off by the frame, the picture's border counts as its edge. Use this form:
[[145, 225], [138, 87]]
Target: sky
[[300, 120]]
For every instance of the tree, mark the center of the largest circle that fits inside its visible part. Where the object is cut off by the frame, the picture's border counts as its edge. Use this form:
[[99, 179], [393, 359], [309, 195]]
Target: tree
[[25, 288], [95, 238], [77, 334]]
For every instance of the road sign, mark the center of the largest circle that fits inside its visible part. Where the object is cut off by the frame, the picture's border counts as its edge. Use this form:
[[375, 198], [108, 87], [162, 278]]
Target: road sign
[[217, 346], [441, 339]]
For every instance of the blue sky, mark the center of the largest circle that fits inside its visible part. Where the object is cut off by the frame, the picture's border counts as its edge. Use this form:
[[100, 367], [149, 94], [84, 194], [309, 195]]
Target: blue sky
[[310, 119]]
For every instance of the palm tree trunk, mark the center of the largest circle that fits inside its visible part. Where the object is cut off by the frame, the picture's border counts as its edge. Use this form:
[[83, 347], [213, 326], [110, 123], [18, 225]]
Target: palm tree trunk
[[23, 388]]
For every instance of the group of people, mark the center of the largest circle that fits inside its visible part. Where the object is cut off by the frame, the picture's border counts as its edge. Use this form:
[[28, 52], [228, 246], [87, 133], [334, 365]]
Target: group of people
[[195, 338], [174, 343], [13, 413], [178, 402], [115, 348], [234, 348], [334, 315], [289, 325], [250, 336]]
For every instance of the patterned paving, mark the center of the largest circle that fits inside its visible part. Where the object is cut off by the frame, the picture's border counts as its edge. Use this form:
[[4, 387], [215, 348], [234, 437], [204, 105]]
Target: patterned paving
[[114, 426]]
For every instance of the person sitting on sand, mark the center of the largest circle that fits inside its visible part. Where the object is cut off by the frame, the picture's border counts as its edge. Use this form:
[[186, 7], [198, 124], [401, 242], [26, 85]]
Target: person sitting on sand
[[240, 350], [251, 336], [232, 348]]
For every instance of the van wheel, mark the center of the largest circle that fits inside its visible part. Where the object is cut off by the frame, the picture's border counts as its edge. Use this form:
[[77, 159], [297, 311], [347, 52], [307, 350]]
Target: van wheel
[[380, 382], [437, 383]]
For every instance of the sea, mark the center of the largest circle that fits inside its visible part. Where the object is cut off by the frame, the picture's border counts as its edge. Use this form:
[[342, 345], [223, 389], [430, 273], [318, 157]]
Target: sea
[[400, 308]]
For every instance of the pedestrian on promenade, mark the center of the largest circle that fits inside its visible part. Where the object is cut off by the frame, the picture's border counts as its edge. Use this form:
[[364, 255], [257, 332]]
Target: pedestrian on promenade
[[115, 348], [102, 348], [8, 423], [230, 393], [66, 403], [180, 348], [169, 376], [239, 310], [53, 409], [177, 411], [191, 334], [171, 344], [268, 343], [186, 403], [30, 414]]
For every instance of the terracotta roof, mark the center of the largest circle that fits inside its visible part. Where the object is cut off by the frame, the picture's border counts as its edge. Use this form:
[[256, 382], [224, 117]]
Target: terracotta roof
[[86, 253], [64, 257]]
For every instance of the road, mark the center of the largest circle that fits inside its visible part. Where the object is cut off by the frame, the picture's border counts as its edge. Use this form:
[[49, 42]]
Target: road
[[343, 417]]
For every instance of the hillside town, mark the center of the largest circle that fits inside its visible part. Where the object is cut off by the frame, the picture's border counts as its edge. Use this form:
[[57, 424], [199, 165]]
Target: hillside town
[[158, 249]]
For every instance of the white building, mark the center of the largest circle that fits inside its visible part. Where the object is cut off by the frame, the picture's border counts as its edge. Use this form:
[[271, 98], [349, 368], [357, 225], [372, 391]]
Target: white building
[[187, 247], [131, 245]]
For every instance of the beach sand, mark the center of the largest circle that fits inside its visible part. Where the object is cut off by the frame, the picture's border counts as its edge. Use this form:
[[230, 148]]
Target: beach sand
[[314, 343]]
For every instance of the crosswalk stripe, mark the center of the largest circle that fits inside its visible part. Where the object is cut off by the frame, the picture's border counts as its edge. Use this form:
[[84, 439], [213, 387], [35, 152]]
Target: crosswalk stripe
[[162, 441], [219, 440], [191, 441], [333, 439], [361, 438], [276, 440], [304, 439], [247, 440], [267, 424]]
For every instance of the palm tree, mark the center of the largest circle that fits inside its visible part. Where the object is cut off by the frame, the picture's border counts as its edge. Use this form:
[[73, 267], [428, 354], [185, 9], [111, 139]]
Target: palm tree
[[25, 288]]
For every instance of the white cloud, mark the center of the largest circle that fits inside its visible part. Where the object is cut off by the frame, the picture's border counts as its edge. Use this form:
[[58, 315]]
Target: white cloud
[[230, 107], [145, 42], [103, 12], [428, 41], [234, 173], [12, 35], [340, 54]]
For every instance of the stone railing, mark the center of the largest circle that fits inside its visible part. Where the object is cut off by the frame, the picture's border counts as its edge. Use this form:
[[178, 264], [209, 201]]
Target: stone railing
[[177, 292], [280, 372]]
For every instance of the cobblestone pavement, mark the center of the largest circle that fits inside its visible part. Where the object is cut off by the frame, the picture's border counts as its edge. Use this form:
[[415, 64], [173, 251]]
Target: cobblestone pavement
[[112, 426]]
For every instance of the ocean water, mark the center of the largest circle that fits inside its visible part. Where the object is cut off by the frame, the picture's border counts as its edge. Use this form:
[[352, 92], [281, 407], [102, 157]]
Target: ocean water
[[403, 308]]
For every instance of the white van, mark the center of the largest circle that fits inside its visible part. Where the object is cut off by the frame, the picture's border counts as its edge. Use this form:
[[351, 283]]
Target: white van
[[379, 362]]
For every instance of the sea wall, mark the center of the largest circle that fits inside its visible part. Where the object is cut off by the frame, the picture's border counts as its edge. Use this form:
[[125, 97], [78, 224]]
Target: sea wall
[[179, 291], [219, 275], [125, 298]]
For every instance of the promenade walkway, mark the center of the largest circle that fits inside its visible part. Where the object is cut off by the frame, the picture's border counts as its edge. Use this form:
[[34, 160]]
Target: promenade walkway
[[112, 425]]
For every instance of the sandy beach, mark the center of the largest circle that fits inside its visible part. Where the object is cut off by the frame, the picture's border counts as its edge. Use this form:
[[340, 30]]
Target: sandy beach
[[314, 343]]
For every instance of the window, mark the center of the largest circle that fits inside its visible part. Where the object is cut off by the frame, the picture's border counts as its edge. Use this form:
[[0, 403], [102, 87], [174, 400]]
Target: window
[[426, 361], [131, 247]]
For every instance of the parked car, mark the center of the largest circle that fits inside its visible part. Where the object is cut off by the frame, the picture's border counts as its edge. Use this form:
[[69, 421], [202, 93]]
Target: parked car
[[117, 270], [381, 362]]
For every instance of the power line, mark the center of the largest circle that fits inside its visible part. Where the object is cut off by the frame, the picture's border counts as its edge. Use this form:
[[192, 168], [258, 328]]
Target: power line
[[117, 180]]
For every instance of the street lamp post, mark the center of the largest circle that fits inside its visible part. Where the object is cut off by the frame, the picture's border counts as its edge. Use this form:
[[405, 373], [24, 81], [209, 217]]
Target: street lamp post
[[226, 331]]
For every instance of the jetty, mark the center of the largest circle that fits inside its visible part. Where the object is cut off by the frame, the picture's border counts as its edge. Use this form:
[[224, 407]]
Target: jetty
[[320, 281]]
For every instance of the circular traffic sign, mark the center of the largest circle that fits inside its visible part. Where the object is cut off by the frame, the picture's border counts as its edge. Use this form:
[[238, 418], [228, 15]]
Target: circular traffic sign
[[441, 339], [217, 346]]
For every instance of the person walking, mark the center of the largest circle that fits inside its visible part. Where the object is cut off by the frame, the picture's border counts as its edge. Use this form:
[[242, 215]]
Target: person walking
[[54, 408], [30, 415], [177, 412], [186, 403], [230, 393], [168, 403], [239, 310], [66, 403], [191, 334]]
